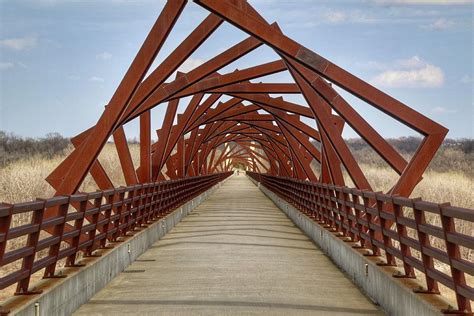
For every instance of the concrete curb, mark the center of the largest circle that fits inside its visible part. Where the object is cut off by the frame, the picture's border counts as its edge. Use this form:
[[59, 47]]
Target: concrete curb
[[394, 296], [64, 296]]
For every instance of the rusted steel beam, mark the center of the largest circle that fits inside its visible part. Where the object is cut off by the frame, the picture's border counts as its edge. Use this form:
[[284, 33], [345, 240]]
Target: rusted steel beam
[[210, 114], [355, 120], [334, 137], [218, 160], [278, 103], [174, 60], [125, 157], [198, 145], [184, 120], [256, 88], [205, 78], [295, 134], [297, 154], [180, 157], [251, 152], [97, 171], [332, 164], [264, 145], [203, 109], [219, 80], [207, 69], [189, 149], [90, 148], [218, 113], [170, 64], [163, 137], [243, 18], [418, 164], [260, 129], [144, 172]]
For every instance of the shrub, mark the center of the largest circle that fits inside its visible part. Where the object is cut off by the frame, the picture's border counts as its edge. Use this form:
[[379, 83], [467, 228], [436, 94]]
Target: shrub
[[13, 148]]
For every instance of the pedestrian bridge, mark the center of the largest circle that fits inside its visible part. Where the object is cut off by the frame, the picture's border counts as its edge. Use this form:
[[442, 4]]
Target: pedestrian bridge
[[236, 253], [303, 232]]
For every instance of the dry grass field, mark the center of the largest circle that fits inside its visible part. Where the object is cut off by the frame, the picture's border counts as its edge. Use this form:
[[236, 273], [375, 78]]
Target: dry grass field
[[23, 179], [449, 179]]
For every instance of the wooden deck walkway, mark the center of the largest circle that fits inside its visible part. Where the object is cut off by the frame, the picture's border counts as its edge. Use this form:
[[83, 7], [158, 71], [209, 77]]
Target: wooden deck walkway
[[237, 253]]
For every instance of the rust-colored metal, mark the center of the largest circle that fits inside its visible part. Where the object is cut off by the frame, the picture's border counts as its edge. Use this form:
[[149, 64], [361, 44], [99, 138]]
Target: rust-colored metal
[[252, 128]]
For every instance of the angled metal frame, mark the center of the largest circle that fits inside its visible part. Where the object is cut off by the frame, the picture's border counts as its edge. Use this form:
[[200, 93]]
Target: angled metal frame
[[264, 133]]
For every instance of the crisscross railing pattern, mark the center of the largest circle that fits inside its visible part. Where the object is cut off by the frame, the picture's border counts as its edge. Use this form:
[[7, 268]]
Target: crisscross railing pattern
[[84, 223], [421, 235]]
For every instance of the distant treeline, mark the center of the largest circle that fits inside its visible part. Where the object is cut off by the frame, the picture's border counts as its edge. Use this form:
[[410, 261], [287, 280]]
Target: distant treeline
[[13, 147], [408, 145], [454, 154]]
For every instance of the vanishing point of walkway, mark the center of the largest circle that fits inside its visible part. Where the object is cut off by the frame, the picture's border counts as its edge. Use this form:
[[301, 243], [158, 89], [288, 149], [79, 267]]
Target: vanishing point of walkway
[[237, 253]]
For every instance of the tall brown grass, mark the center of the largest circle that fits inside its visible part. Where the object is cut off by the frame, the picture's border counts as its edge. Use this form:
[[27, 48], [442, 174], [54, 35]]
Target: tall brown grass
[[439, 187], [23, 179]]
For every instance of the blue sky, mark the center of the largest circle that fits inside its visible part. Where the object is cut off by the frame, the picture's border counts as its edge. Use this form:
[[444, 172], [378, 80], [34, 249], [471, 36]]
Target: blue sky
[[61, 60]]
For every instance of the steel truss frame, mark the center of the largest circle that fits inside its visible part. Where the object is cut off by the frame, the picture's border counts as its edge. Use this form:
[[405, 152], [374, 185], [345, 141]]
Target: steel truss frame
[[285, 143], [264, 133]]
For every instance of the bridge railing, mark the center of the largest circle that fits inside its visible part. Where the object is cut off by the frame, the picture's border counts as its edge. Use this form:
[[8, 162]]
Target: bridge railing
[[84, 223], [409, 232]]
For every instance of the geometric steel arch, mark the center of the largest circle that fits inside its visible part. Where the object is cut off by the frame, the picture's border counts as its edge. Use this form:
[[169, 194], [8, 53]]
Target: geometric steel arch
[[251, 127], [262, 132]]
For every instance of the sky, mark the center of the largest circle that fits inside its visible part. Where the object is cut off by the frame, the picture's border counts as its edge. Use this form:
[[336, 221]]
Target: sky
[[61, 60]]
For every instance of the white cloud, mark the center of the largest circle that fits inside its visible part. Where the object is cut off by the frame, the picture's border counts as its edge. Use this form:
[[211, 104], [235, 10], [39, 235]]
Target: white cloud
[[96, 79], [440, 24], [467, 79], [21, 43], [313, 15], [412, 73], [424, 2], [428, 77], [442, 110], [335, 16], [412, 62], [407, 63], [351, 16], [104, 56], [370, 65], [5, 66], [190, 64], [74, 77]]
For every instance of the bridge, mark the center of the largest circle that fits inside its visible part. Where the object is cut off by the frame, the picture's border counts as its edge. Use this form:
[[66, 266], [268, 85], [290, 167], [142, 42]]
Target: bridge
[[236, 253], [301, 232]]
